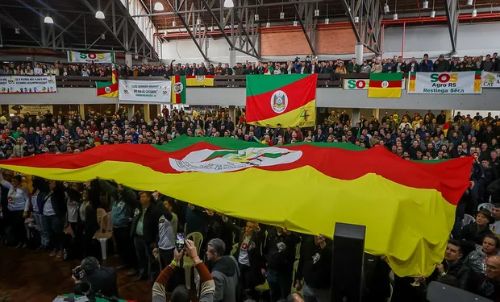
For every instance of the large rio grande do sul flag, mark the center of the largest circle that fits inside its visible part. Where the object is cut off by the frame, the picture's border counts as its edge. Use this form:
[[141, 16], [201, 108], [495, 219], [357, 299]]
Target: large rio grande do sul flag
[[178, 89], [385, 85], [287, 100], [408, 207], [108, 89]]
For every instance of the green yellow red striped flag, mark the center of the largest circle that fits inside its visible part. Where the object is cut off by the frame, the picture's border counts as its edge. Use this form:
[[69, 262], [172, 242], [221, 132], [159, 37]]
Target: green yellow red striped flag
[[407, 207], [200, 80], [281, 100], [178, 89], [385, 85], [108, 89]]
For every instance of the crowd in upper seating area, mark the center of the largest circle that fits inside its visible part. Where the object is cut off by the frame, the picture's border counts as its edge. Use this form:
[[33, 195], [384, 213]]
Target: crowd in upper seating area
[[144, 224], [307, 65]]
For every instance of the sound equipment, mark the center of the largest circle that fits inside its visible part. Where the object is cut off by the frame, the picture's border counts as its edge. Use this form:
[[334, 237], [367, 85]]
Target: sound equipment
[[440, 292], [347, 262]]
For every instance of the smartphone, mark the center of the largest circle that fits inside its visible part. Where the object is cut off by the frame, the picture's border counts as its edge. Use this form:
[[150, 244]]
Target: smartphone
[[180, 242]]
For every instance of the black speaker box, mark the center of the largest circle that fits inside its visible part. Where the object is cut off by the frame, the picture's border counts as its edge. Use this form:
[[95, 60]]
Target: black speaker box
[[347, 262]]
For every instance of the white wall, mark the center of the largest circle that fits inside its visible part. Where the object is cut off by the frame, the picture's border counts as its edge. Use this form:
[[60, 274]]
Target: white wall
[[185, 51], [473, 39]]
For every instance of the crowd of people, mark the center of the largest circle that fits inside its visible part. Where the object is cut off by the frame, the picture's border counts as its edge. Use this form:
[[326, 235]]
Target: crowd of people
[[63, 218], [306, 65]]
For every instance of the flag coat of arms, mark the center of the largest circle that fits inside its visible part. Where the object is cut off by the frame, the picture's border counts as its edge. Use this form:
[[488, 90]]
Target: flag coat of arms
[[385, 85], [281, 100], [108, 89], [408, 207], [178, 89]]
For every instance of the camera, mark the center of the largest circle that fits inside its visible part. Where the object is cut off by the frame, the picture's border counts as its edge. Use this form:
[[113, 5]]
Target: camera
[[180, 242], [78, 273]]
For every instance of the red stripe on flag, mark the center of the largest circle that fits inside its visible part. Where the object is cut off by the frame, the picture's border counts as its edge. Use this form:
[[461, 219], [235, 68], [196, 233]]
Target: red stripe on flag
[[299, 93], [391, 84]]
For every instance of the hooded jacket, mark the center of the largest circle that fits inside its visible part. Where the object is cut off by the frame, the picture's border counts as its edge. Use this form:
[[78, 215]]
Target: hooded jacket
[[225, 273]]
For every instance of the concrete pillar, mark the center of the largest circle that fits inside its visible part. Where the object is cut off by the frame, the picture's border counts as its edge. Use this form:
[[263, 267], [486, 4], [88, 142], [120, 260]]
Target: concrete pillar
[[232, 58], [128, 59], [356, 117], [358, 51], [82, 111], [147, 117]]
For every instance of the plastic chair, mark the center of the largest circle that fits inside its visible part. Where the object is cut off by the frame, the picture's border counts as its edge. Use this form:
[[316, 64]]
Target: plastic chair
[[104, 233], [261, 289], [488, 206], [197, 238], [468, 219]]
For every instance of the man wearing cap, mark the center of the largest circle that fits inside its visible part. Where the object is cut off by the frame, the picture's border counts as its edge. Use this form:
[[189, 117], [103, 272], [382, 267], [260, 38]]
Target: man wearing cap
[[224, 269], [476, 231]]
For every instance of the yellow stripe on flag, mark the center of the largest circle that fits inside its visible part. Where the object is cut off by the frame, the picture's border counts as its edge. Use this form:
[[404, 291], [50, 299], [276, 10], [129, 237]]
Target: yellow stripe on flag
[[304, 116], [384, 92], [409, 226]]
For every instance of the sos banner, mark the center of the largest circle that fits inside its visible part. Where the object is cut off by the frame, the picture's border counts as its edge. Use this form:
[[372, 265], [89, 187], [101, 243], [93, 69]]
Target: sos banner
[[91, 57], [490, 79], [144, 91], [466, 82], [356, 84], [27, 84]]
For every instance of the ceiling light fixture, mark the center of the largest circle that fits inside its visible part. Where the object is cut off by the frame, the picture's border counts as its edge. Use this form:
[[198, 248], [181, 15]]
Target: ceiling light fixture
[[282, 15], [316, 12], [386, 8], [395, 16], [228, 3], [268, 24], [433, 14], [100, 15], [474, 13], [327, 21], [158, 6], [356, 19], [425, 4], [256, 17], [48, 20]]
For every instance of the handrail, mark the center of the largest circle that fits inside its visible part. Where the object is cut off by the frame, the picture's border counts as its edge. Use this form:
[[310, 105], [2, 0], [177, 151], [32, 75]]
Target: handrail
[[220, 81]]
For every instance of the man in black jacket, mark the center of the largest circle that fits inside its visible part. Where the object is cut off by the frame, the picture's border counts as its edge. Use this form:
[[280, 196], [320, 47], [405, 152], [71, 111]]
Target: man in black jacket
[[452, 271], [314, 268], [93, 279], [145, 233], [279, 251]]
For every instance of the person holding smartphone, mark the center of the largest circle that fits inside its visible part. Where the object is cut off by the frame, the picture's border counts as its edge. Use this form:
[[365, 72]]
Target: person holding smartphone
[[181, 293]]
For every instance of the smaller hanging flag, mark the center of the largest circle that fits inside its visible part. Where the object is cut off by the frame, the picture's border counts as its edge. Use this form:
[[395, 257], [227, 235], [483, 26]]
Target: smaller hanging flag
[[178, 89], [385, 85], [200, 80], [108, 89]]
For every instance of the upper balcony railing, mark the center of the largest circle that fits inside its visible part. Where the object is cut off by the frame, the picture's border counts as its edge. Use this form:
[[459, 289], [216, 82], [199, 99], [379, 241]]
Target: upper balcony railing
[[220, 81]]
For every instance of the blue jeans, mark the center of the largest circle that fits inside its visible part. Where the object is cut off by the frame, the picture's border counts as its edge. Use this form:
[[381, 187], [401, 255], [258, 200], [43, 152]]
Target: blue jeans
[[44, 239], [53, 226]]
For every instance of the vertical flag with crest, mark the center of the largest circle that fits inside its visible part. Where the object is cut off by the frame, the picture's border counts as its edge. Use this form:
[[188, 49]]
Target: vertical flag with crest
[[108, 89], [385, 85], [287, 100], [178, 89]]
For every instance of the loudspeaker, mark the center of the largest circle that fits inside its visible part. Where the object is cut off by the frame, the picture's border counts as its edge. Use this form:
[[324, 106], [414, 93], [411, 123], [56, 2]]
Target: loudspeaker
[[347, 262], [440, 292]]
